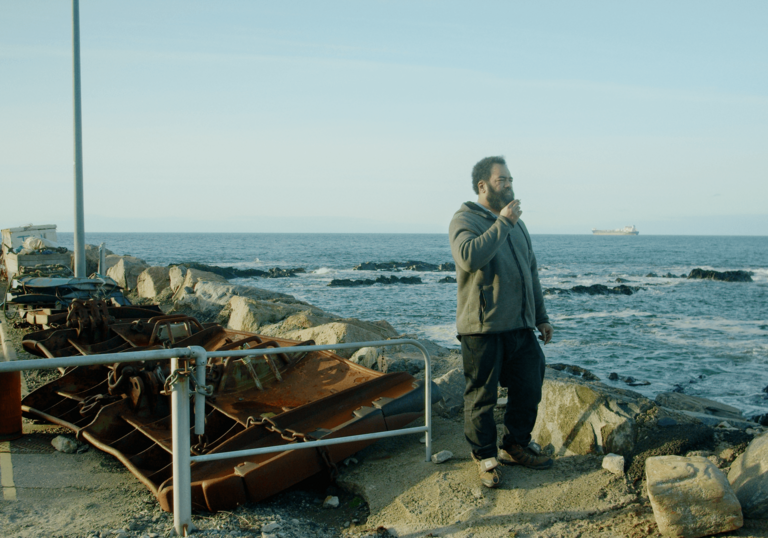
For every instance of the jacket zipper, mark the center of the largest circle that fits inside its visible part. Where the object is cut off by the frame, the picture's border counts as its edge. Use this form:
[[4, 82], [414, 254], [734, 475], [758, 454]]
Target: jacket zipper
[[522, 280]]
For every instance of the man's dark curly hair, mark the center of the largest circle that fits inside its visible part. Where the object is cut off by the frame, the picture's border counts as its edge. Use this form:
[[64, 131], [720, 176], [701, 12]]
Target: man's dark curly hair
[[482, 170]]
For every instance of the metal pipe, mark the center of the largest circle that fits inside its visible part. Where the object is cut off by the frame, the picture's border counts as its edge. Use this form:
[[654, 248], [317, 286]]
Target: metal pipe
[[102, 270], [308, 444], [201, 361], [79, 218], [86, 360], [182, 475]]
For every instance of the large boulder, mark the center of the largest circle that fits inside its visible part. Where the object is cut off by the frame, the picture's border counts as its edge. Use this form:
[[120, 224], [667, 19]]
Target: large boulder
[[247, 314], [92, 259], [582, 417], [209, 300], [152, 281], [749, 478], [326, 329], [691, 497], [366, 356], [176, 275], [126, 271]]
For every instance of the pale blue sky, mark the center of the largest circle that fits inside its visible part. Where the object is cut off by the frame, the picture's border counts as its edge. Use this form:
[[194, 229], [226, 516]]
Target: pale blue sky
[[368, 116]]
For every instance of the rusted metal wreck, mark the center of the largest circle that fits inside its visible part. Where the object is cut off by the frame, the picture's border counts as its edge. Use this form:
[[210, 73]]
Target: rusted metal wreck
[[123, 409]]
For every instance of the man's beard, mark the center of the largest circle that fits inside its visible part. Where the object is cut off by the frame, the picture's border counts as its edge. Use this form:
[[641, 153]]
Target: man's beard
[[499, 199]]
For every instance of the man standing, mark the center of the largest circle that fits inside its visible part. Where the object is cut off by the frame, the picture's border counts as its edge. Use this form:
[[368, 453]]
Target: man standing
[[499, 305]]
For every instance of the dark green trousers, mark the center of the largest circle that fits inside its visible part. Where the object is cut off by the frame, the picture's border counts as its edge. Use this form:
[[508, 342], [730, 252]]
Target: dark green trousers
[[514, 360]]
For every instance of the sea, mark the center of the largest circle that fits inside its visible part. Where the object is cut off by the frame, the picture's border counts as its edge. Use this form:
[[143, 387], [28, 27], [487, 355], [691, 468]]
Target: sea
[[704, 338]]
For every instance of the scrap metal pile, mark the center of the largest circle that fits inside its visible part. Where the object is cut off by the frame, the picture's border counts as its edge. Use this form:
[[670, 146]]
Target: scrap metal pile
[[287, 398]]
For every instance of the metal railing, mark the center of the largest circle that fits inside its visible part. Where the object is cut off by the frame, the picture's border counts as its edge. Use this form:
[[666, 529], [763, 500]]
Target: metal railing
[[180, 374]]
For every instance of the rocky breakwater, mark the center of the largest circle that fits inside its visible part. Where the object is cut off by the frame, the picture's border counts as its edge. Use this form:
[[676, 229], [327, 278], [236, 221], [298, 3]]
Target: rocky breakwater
[[209, 296], [723, 276]]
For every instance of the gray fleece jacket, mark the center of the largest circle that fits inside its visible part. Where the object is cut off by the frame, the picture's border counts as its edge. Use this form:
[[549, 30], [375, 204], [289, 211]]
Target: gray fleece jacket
[[496, 271]]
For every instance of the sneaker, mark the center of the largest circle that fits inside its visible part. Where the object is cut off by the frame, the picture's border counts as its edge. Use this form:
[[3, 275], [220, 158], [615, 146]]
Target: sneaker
[[518, 455], [489, 472]]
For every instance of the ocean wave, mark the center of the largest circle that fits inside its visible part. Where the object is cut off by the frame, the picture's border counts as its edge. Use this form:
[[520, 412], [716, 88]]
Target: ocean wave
[[324, 271]]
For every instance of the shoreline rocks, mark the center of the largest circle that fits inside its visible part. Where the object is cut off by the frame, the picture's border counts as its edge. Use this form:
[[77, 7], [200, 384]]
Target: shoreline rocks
[[407, 265], [722, 276], [350, 283], [595, 289]]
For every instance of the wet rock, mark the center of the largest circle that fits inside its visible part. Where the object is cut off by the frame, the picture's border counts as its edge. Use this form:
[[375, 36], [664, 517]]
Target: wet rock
[[621, 280], [666, 422], [452, 385], [594, 289], [722, 276], [366, 356], [614, 463], [749, 478], [233, 272], [152, 281], [64, 444], [691, 497], [407, 265], [580, 417], [651, 275], [126, 271], [684, 402], [447, 280], [572, 369], [350, 283], [442, 456]]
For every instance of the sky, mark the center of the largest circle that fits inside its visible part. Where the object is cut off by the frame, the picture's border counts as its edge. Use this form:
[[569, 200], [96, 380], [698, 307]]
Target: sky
[[349, 116]]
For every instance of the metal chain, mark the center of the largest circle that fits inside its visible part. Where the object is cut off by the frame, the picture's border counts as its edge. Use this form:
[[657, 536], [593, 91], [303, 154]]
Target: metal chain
[[195, 388]]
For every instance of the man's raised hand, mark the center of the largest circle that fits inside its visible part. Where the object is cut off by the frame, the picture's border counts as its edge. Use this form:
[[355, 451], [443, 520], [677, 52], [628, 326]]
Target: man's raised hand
[[512, 211]]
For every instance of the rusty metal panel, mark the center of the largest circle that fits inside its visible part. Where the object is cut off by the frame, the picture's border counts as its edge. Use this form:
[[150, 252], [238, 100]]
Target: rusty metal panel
[[124, 410]]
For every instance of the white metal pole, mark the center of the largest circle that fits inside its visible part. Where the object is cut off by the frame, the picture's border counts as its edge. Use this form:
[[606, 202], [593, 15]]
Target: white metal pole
[[182, 475], [201, 361], [79, 218]]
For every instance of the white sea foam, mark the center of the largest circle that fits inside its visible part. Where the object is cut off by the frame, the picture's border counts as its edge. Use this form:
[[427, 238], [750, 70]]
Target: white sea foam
[[324, 271]]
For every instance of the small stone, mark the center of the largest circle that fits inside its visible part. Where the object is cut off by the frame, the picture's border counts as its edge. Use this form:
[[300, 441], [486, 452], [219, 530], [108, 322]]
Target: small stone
[[725, 425], [64, 444], [349, 461], [347, 524], [331, 501], [613, 376], [423, 439], [477, 493], [268, 535], [442, 456], [614, 463], [269, 527], [294, 522], [666, 422]]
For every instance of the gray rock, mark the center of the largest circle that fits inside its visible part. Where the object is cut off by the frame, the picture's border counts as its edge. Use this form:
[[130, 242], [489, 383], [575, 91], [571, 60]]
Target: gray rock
[[331, 501], [64, 444], [749, 478], [269, 527], [691, 497], [442, 456], [614, 463]]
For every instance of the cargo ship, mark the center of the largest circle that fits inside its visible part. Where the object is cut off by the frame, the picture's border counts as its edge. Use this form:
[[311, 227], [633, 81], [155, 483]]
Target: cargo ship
[[626, 230]]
